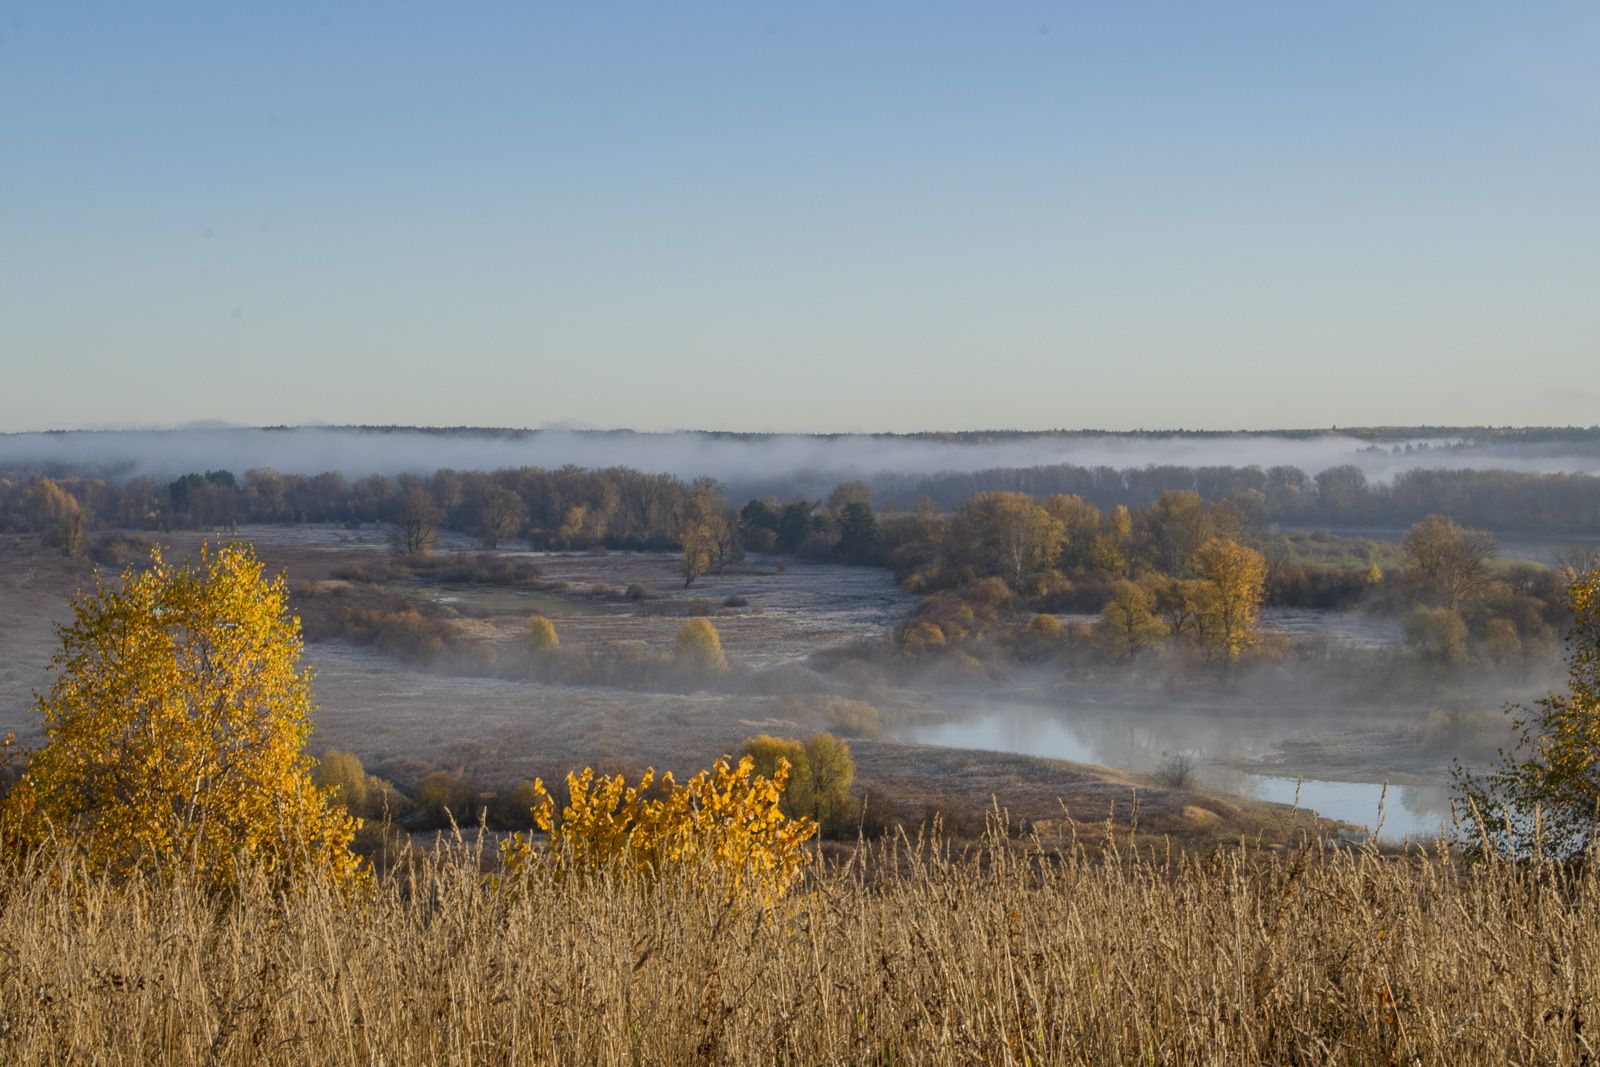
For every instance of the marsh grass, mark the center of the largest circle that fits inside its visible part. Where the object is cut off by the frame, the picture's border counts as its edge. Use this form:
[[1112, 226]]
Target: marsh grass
[[906, 952]]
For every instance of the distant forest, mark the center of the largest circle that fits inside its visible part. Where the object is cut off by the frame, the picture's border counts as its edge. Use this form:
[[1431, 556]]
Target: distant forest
[[624, 508], [1339, 496]]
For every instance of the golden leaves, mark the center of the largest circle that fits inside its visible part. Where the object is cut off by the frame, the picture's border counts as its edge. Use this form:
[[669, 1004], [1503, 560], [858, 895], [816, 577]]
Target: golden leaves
[[176, 727], [723, 826]]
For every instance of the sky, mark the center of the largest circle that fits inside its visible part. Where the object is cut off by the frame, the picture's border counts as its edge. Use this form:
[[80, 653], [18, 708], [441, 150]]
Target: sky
[[799, 217]]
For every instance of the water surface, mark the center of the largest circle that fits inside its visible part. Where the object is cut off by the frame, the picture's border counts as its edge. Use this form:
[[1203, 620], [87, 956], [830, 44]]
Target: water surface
[[1141, 739]]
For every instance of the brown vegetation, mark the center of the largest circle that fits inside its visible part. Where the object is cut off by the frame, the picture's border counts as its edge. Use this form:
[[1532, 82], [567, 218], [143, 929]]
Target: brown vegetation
[[905, 955]]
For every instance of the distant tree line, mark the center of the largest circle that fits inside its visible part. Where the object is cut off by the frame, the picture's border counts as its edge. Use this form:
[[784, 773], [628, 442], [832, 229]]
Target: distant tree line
[[618, 507], [567, 508], [1338, 496]]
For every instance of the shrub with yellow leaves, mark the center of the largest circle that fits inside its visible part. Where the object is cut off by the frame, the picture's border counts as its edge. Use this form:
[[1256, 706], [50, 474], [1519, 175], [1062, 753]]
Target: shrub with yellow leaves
[[724, 826]]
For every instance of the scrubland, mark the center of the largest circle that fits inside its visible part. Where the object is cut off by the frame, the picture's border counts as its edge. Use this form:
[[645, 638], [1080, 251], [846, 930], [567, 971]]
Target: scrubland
[[905, 953]]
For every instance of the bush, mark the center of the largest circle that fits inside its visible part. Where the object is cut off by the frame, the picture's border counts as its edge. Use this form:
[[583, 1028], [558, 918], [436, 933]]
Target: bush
[[341, 774], [735, 601], [444, 798], [922, 638], [1437, 635], [513, 809], [1045, 626], [542, 634], [409, 634], [854, 718], [723, 826], [699, 647], [636, 592], [120, 550], [1177, 771], [366, 573], [484, 569]]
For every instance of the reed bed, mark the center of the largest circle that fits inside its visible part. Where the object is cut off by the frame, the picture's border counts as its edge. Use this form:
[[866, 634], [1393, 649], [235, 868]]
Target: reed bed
[[906, 953]]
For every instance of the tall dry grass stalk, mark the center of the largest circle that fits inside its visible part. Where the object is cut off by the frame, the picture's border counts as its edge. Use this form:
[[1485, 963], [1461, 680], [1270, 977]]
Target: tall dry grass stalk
[[906, 954]]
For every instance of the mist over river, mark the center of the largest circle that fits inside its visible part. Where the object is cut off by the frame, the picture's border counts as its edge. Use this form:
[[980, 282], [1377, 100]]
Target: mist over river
[[1223, 742]]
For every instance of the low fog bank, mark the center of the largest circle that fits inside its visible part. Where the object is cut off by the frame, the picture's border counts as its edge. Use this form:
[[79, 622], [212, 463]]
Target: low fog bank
[[1336, 722], [806, 463]]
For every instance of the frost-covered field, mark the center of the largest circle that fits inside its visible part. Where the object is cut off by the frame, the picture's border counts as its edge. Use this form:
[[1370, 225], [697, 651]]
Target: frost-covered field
[[402, 719]]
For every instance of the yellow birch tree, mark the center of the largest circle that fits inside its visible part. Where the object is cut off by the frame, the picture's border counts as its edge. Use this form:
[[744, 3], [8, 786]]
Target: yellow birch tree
[[1235, 580], [176, 730]]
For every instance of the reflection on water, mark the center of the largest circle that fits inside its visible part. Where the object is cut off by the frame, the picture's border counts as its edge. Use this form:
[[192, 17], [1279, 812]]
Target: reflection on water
[[1141, 739], [1406, 811]]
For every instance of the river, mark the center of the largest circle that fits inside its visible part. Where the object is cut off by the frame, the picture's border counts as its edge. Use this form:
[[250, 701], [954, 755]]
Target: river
[[1142, 739]]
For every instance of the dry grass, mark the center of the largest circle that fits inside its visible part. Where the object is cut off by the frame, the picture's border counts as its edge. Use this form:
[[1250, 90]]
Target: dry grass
[[903, 955]]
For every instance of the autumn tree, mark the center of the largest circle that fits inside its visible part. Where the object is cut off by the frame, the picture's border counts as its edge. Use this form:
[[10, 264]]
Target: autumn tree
[[1454, 562], [501, 514], [1110, 549], [341, 776], [582, 525], [1341, 492], [821, 772], [1080, 525], [57, 515], [267, 491], [416, 523], [1235, 580], [708, 532], [1180, 603], [699, 549], [767, 752], [1129, 624], [176, 728], [1545, 796], [1172, 529], [1009, 535], [833, 771]]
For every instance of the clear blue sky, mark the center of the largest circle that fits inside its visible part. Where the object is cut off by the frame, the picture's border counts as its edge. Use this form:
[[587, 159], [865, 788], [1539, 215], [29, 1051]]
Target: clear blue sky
[[800, 216]]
